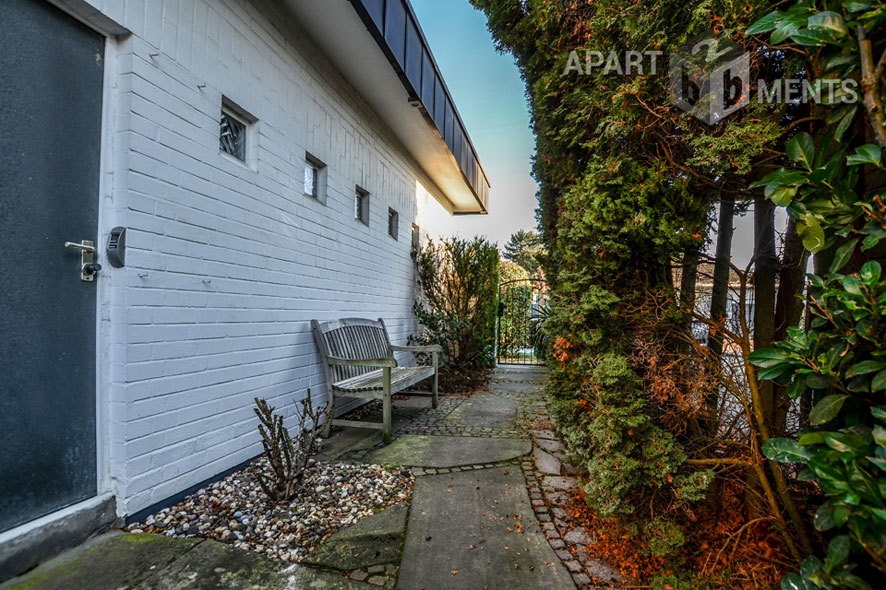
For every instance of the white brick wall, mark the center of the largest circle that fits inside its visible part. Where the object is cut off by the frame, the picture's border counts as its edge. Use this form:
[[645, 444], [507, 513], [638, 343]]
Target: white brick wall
[[225, 264]]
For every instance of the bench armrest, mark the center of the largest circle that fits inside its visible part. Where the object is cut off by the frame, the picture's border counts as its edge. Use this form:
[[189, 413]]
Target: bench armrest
[[334, 360], [425, 348]]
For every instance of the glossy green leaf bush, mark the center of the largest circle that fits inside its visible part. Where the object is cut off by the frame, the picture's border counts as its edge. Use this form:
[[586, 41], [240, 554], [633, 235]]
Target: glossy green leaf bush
[[840, 360]]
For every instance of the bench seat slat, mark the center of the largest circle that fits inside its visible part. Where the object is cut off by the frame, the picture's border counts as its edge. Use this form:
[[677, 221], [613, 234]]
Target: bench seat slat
[[401, 378]]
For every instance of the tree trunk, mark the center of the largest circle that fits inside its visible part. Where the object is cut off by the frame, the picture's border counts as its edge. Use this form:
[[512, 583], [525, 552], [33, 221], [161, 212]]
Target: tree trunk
[[720, 297], [688, 278], [789, 305], [765, 272]]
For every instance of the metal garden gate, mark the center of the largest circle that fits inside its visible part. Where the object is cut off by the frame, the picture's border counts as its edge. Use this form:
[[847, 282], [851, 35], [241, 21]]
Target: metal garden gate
[[522, 308]]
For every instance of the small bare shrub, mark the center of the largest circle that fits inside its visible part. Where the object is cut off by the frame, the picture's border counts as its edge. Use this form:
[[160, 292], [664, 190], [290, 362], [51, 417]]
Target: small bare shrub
[[287, 457]]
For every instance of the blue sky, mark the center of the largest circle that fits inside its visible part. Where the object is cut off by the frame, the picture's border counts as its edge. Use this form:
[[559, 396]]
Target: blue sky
[[490, 96]]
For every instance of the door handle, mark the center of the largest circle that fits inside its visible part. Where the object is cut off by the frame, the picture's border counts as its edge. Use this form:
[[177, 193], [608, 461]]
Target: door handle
[[88, 267], [85, 246]]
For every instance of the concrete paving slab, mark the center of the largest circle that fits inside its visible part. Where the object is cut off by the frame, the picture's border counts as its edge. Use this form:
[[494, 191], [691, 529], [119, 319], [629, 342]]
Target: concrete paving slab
[[108, 562], [372, 541], [535, 375], [485, 410], [216, 566], [211, 565], [449, 451], [489, 537], [513, 387], [302, 578], [154, 562]]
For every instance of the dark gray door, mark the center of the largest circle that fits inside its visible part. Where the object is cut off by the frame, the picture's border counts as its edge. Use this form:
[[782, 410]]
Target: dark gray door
[[50, 129]]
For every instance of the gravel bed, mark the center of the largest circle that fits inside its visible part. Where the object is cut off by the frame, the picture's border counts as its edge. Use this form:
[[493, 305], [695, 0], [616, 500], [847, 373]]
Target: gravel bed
[[235, 510]]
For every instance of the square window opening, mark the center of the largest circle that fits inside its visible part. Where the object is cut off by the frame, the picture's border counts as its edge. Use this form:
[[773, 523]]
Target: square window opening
[[361, 206], [315, 178], [237, 137], [393, 223]]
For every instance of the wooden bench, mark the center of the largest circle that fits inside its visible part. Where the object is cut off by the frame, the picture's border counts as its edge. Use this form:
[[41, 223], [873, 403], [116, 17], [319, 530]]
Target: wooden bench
[[359, 361]]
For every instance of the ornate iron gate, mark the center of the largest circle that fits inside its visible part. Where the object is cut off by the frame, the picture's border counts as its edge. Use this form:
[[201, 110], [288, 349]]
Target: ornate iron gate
[[522, 308]]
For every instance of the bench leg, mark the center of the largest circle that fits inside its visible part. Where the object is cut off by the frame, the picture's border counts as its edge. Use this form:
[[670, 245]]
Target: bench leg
[[386, 402], [434, 387]]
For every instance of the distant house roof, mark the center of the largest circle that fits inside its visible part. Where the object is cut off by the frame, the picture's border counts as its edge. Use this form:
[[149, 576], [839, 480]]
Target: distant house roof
[[379, 47]]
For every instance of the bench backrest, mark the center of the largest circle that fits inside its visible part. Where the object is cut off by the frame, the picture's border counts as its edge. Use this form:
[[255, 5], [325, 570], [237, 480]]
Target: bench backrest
[[351, 338]]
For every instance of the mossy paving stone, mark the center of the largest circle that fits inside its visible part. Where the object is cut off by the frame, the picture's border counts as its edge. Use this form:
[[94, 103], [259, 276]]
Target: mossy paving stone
[[154, 562], [303, 578], [215, 566], [459, 537], [212, 565], [449, 451], [375, 540], [485, 410], [121, 561]]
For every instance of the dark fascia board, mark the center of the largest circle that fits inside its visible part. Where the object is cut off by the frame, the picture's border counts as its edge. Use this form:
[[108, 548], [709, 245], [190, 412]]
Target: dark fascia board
[[378, 34]]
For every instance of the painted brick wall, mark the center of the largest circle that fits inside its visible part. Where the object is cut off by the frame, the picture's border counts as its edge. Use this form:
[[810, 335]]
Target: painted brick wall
[[227, 263]]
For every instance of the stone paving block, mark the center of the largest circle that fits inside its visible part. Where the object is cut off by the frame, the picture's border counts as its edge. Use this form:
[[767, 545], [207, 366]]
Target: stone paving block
[[545, 434], [581, 579], [560, 483], [546, 462], [600, 570], [573, 566], [578, 536], [549, 445]]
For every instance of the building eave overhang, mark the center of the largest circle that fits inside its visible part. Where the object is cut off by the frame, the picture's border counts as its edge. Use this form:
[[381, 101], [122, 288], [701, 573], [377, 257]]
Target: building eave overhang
[[379, 48]]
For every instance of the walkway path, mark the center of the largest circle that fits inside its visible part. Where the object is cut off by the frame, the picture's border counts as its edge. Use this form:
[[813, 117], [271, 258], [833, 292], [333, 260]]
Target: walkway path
[[470, 524]]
